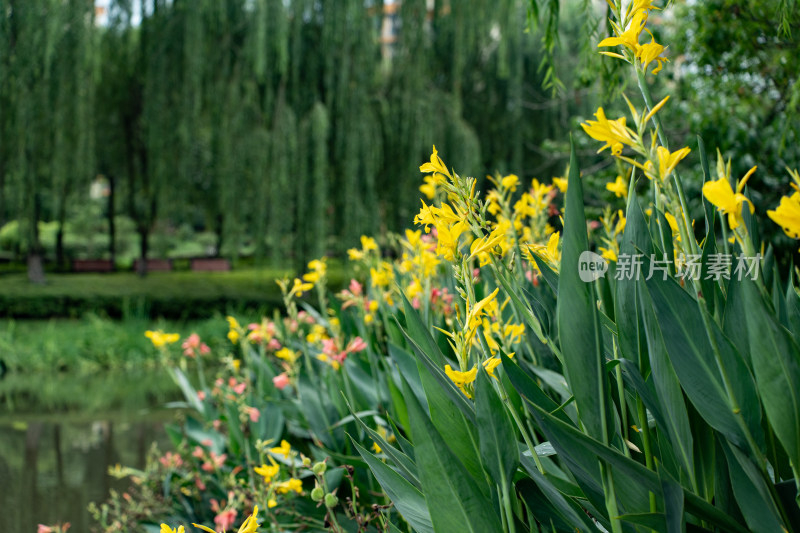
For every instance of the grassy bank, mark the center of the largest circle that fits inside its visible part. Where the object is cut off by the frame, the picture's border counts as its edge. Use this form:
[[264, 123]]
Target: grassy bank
[[91, 343], [175, 295]]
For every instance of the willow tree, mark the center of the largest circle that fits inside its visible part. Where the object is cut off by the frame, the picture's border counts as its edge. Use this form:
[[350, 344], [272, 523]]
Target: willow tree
[[46, 96], [285, 124]]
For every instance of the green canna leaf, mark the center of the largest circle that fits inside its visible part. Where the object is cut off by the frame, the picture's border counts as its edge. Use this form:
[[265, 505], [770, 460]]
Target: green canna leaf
[[408, 500], [578, 323], [457, 503], [636, 239], [420, 333], [752, 493], [668, 389], [405, 465], [776, 365], [569, 440], [496, 437], [690, 352]]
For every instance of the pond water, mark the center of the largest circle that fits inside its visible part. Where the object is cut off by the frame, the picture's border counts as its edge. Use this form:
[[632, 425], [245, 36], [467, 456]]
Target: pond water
[[58, 441]]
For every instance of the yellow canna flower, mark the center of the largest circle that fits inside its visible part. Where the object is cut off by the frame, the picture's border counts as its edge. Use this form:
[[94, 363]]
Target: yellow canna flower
[[429, 187], [298, 288], [435, 166], [561, 183], [619, 187], [354, 254], [268, 471], [284, 449], [166, 529], [638, 5], [318, 268], [461, 379], [612, 132], [490, 364], [448, 236], [673, 225], [510, 182], [292, 484], [727, 201], [250, 525], [487, 243], [368, 243], [287, 355], [513, 332], [474, 314], [333, 362], [550, 252], [608, 253], [272, 503], [161, 339], [630, 37], [425, 216], [381, 276], [787, 215], [667, 161], [649, 52]]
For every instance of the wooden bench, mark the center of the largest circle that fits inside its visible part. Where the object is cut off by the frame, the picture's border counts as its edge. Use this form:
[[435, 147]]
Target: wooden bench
[[210, 264], [92, 265], [155, 265]]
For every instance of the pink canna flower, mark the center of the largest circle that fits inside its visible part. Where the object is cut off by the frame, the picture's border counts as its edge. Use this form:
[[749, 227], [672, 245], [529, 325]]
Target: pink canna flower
[[356, 288], [171, 460], [192, 341], [253, 413], [191, 344], [356, 345], [281, 381], [225, 519], [329, 347], [273, 344], [204, 349]]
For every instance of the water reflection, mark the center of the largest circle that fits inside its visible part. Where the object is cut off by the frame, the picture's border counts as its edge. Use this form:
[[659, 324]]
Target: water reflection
[[52, 465]]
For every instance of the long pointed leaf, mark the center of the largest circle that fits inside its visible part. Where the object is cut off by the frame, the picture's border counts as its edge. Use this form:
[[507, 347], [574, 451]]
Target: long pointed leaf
[[455, 501], [578, 324]]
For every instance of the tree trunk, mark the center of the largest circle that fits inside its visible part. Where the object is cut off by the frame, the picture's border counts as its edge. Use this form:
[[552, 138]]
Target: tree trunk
[[35, 252], [36, 268], [144, 235], [112, 230], [220, 226], [62, 215], [60, 261]]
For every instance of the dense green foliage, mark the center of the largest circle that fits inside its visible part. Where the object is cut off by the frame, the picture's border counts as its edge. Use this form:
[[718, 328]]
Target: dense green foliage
[[740, 62]]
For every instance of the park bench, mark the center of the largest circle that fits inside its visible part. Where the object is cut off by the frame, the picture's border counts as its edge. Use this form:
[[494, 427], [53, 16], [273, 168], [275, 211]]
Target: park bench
[[210, 264], [92, 265], [155, 265]]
